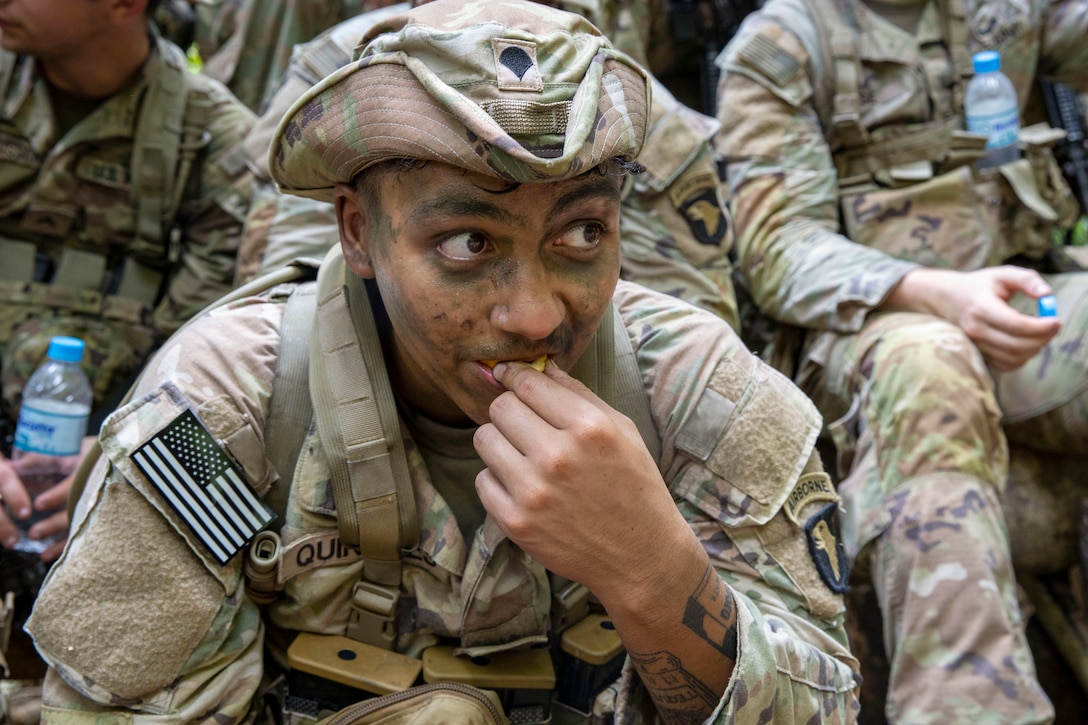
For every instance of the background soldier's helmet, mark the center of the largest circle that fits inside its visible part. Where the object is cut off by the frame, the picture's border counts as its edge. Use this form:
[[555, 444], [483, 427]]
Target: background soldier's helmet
[[513, 89]]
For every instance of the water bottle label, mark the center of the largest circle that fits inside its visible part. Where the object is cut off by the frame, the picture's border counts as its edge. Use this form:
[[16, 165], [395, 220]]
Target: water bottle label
[[1001, 129], [55, 433]]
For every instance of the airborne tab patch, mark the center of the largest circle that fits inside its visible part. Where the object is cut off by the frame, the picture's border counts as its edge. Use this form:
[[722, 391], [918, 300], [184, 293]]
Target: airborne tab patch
[[810, 487], [199, 481], [825, 546]]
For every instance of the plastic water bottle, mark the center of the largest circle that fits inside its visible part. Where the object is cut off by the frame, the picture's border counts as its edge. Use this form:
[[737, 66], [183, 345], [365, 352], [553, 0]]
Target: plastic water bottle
[[992, 109], [52, 423]]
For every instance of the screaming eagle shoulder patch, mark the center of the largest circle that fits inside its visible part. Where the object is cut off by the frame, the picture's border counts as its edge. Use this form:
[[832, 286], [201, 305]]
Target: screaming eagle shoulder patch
[[201, 484], [695, 196], [825, 547]]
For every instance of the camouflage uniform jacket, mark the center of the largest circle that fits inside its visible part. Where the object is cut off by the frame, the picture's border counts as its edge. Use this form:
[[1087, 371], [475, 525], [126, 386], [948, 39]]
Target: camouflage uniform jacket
[[791, 250], [125, 276], [138, 617]]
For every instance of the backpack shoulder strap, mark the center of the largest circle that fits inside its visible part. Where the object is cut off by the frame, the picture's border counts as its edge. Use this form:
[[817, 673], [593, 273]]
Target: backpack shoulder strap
[[170, 132], [629, 388], [290, 413], [609, 368], [360, 431]]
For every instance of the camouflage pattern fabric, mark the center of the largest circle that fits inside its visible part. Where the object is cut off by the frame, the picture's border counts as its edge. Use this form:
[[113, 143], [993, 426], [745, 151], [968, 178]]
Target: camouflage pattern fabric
[[246, 44], [677, 232], [77, 195], [147, 578], [915, 415]]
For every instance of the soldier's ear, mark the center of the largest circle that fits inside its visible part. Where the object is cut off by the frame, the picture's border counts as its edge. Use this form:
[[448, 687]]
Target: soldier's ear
[[123, 11], [354, 241]]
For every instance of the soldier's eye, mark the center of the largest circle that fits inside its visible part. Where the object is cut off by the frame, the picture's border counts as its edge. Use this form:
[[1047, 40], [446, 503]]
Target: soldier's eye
[[583, 236], [466, 245]]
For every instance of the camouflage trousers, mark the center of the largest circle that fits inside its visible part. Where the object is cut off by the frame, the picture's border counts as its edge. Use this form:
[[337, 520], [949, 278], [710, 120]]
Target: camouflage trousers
[[922, 431]]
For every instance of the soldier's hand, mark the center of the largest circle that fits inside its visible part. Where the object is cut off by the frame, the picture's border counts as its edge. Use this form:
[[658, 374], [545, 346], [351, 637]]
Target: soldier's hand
[[57, 498], [570, 480], [978, 302]]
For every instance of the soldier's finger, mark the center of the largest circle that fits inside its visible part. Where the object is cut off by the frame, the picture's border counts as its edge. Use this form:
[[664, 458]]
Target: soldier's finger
[[50, 526], [16, 502], [555, 396], [54, 497], [53, 551]]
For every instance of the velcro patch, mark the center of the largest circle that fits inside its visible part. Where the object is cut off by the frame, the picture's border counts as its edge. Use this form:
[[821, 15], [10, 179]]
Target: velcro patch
[[768, 58], [515, 65], [100, 171], [825, 546], [696, 199], [199, 481]]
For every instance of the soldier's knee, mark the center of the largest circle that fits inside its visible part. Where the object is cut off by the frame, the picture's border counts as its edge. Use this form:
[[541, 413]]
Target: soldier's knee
[[931, 360]]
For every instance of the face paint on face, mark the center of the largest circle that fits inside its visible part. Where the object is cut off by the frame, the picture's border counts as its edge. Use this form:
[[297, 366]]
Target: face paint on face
[[472, 272]]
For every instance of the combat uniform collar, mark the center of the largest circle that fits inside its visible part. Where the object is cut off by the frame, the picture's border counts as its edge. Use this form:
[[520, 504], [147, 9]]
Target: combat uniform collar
[[27, 103], [881, 39]]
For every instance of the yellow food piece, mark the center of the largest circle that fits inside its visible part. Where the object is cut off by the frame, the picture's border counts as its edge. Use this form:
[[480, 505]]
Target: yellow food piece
[[537, 364]]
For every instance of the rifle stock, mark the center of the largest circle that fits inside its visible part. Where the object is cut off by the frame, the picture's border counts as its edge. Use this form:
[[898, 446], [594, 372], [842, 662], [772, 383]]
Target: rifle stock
[[1066, 112]]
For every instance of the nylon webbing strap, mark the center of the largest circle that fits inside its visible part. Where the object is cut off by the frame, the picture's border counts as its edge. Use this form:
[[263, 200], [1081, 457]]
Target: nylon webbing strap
[[155, 151], [956, 35], [360, 432], [609, 368], [630, 388], [289, 410]]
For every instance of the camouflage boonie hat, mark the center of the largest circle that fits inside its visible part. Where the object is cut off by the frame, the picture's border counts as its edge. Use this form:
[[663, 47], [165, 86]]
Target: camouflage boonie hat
[[510, 88]]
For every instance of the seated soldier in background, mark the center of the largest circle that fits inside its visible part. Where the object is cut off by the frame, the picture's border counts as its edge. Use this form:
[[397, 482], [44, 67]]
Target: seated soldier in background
[[447, 496], [902, 282], [122, 195], [674, 226]]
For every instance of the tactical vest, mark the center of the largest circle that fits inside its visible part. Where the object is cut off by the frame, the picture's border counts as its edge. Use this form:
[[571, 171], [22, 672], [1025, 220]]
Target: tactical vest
[[910, 189], [59, 276], [352, 403]]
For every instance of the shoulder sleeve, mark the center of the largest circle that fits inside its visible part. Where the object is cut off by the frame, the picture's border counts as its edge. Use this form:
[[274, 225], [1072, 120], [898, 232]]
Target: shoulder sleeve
[[141, 613]]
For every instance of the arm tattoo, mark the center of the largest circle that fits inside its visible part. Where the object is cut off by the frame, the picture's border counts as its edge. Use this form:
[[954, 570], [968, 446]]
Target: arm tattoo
[[680, 697], [711, 614]]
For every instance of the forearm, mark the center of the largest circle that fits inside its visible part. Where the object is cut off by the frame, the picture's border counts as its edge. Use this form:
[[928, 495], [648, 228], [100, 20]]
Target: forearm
[[682, 644]]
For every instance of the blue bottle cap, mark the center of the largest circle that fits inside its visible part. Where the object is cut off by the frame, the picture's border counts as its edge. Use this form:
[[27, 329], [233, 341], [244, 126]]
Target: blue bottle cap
[[986, 61], [1048, 306], [66, 349]]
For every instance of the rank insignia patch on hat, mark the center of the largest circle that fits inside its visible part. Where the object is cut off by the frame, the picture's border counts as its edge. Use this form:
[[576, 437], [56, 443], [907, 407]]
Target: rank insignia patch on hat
[[825, 546], [199, 481], [515, 65]]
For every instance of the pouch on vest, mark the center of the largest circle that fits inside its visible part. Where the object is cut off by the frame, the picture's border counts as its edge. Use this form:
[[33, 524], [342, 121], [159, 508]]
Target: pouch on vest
[[955, 221], [431, 704]]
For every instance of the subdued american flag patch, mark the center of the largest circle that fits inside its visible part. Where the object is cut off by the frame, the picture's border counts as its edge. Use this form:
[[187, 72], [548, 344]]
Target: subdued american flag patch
[[200, 483]]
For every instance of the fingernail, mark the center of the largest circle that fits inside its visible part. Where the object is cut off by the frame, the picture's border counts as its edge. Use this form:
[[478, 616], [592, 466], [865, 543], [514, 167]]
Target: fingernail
[[23, 513]]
